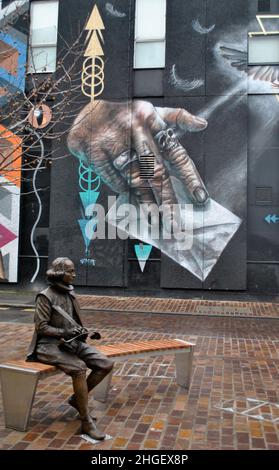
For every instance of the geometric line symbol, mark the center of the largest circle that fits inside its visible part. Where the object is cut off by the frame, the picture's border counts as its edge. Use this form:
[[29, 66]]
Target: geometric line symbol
[[92, 77], [92, 85], [93, 67], [142, 252], [88, 180]]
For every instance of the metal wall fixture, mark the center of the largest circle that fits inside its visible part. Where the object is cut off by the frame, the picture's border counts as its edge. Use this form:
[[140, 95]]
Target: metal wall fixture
[[147, 165]]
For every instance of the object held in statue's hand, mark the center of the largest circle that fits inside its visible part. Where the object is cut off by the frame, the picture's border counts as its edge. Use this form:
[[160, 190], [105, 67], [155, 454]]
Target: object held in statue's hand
[[95, 335]]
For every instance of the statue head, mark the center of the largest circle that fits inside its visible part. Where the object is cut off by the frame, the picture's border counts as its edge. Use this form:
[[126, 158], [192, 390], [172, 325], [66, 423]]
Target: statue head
[[61, 269]]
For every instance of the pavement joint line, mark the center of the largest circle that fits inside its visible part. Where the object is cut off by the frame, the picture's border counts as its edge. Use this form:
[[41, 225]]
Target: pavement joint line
[[201, 335], [228, 315], [193, 314]]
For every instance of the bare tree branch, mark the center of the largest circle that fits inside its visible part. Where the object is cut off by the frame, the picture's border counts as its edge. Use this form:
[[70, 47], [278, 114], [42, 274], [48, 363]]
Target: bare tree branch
[[20, 142]]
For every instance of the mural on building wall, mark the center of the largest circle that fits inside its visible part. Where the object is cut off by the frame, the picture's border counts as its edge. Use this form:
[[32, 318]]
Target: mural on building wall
[[98, 137], [10, 144], [13, 46], [110, 138], [111, 134], [196, 131]]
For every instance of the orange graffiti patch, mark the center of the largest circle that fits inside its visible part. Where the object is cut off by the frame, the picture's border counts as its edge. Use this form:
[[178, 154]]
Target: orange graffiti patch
[[9, 58], [10, 156]]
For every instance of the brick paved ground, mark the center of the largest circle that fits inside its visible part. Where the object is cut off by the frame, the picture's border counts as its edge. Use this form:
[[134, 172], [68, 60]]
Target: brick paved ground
[[235, 370], [182, 306]]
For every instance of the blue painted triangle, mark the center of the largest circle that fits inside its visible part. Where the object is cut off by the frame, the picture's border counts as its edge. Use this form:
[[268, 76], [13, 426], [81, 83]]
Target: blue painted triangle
[[142, 252], [83, 223], [88, 198]]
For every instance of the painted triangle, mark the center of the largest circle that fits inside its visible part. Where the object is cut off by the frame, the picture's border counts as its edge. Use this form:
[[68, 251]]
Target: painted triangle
[[94, 47], [142, 265], [6, 236], [83, 224], [95, 21], [88, 198], [142, 253]]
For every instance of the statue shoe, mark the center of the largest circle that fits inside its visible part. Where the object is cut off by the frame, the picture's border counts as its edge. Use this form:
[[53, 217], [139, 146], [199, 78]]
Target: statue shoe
[[72, 401], [90, 428]]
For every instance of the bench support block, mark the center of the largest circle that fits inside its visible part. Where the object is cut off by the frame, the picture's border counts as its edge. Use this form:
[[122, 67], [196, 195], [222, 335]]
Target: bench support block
[[101, 391], [183, 361], [18, 392]]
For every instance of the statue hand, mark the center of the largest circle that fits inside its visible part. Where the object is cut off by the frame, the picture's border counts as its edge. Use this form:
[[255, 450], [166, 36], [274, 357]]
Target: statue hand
[[71, 332]]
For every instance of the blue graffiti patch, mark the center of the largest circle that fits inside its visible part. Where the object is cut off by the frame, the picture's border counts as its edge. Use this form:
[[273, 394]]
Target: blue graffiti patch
[[89, 184]]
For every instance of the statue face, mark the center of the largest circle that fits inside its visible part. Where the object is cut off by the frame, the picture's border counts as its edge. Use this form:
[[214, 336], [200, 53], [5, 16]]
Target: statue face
[[70, 273]]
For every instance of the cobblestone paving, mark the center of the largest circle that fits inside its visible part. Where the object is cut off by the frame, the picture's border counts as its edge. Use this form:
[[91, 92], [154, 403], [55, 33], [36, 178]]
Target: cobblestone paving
[[232, 402], [190, 306]]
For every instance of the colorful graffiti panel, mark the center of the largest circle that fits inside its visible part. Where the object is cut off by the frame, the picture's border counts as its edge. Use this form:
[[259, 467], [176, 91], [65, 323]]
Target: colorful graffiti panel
[[13, 49], [10, 155]]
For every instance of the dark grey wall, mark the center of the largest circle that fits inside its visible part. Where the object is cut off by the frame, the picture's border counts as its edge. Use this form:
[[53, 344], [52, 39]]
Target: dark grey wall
[[66, 209]]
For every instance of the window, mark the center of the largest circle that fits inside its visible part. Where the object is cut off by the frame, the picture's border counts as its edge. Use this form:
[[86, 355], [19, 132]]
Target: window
[[43, 36], [150, 34], [264, 196], [263, 50], [263, 5]]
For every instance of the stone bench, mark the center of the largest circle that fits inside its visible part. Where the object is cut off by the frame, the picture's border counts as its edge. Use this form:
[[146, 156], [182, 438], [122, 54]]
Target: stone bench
[[19, 378]]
